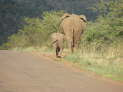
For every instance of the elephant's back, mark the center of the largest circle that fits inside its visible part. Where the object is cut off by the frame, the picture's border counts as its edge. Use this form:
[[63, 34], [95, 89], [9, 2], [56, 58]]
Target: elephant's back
[[79, 25], [73, 23], [67, 25]]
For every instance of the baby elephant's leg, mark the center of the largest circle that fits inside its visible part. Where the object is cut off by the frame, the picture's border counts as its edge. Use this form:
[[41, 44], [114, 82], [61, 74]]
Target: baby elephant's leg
[[57, 51], [60, 52]]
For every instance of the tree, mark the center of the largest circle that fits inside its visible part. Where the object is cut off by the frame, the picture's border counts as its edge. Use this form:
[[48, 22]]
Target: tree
[[36, 31]]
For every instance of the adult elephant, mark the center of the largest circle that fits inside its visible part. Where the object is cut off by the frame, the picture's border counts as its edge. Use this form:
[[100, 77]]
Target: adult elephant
[[72, 26]]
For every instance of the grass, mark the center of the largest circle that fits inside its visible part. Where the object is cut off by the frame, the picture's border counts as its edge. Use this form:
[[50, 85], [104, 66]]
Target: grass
[[105, 64], [39, 49]]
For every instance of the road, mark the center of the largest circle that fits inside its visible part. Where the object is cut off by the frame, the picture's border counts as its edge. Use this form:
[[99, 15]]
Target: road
[[24, 72]]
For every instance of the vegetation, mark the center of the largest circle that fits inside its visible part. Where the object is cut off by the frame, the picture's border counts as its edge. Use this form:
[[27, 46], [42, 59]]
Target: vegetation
[[12, 12], [101, 44], [36, 31], [107, 66]]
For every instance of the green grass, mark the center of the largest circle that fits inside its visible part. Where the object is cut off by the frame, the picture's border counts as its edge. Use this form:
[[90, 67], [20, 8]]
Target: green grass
[[111, 67]]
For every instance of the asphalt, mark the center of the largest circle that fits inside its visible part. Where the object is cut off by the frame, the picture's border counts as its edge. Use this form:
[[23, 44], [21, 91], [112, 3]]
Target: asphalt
[[24, 72]]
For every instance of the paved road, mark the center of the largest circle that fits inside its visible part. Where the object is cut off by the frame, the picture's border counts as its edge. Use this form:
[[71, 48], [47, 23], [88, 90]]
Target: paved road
[[23, 72]]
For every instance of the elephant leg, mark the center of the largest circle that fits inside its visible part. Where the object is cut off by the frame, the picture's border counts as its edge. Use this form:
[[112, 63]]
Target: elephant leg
[[69, 43], [77, 44], [72, 46], [57, 51], [60, 52]]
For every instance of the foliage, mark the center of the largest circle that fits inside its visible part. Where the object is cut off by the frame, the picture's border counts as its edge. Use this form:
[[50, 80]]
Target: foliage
[[36, 31], [13, 11], [108, 27]]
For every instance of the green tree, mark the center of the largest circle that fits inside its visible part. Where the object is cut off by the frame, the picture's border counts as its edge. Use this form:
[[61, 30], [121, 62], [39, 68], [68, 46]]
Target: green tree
[[108, 27], [36, 31]]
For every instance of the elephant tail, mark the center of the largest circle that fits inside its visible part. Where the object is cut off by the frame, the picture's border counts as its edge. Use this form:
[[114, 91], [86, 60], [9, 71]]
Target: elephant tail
[[73, 41]]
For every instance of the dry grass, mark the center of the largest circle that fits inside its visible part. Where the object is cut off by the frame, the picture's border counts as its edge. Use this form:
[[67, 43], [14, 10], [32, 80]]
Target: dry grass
[[107, 62]]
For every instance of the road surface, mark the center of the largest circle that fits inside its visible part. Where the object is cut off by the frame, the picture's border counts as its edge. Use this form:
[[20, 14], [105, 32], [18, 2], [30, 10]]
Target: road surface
[[24, 72]]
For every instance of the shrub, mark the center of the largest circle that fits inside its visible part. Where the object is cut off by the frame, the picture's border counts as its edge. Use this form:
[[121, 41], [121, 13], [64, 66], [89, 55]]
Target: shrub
[[35, 31]]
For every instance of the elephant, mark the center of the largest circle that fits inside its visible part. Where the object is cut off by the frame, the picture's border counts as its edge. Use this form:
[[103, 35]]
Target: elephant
[[73, 26], [58, 43]]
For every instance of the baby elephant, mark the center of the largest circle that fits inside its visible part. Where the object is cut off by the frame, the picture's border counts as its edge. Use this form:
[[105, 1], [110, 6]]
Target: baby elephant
[[58, 43]]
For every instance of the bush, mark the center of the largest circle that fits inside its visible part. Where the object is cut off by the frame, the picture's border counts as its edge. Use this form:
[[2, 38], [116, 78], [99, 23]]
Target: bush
[[35, 31]]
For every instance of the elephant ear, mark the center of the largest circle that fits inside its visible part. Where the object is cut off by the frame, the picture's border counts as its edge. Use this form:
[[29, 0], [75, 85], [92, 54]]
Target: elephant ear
[[65, 16], [83, 17]]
